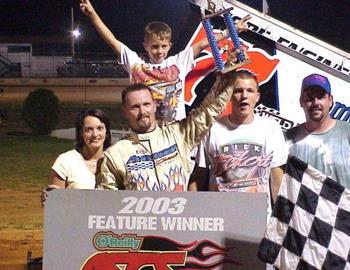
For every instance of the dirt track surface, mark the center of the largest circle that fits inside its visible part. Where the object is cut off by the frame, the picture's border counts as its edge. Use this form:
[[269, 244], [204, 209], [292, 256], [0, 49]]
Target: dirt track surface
[[14, 247], [17, 208]]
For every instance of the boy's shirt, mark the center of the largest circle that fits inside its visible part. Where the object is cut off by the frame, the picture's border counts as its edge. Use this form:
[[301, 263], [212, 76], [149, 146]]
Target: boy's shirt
[[167, 80]]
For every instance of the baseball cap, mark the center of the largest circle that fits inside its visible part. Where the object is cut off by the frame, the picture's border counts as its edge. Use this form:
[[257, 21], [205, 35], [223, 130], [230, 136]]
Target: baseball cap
[[316, 80]]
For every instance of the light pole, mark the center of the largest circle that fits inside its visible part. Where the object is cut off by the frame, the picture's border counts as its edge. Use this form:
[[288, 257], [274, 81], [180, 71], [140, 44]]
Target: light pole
[[72, 31], [75, 34]]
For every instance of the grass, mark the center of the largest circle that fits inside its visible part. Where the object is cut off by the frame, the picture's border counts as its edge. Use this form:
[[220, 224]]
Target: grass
[[68, 112], [24, 171], [26, 160]]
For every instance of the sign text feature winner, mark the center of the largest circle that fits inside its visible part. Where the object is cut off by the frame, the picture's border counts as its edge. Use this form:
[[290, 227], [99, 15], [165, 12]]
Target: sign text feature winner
[[149, 213]]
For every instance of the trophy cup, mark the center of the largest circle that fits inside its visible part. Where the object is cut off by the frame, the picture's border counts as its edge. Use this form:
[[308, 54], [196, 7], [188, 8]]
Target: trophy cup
[[237, 58]]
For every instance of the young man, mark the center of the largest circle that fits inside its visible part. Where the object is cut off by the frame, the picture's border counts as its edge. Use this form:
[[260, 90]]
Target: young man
[[246, 152], [321, 141], [156, 158], [166, 75]]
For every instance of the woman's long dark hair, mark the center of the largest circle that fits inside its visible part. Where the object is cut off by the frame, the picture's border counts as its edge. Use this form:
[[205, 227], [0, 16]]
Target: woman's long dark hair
[[79, 122]]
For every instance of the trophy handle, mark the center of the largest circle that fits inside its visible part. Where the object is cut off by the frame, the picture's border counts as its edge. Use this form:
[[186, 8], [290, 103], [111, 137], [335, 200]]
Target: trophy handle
[[238, 57]]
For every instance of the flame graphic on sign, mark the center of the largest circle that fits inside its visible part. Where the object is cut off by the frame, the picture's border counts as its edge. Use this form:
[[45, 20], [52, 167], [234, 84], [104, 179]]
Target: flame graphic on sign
[[202, 254]]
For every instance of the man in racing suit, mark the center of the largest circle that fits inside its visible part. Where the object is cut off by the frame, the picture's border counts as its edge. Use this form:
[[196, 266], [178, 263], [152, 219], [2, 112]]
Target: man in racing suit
[[154, 157]]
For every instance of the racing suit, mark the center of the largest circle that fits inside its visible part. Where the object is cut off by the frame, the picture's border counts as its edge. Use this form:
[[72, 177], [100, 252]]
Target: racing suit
[[160, 160]]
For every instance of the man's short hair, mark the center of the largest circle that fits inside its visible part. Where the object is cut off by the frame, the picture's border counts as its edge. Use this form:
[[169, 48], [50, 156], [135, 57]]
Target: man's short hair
[[158, 29], [133, 88], [245, 74]]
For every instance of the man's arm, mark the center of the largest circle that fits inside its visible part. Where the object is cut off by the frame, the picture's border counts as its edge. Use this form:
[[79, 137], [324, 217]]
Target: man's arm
[[56, 183], [199, 179], [196, 125], [202, 44], [87, 8], [109, 177], [276, 179]]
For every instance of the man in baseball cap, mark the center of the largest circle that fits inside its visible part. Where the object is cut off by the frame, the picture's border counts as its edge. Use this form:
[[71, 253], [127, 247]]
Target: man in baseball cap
[[322, 142], [316, 100]]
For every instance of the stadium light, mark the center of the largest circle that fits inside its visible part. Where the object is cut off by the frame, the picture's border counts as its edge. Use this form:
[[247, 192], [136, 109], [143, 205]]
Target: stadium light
[[76, 33]]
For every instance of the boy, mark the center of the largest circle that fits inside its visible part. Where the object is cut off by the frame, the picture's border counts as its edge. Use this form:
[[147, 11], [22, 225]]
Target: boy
[[166, 76]]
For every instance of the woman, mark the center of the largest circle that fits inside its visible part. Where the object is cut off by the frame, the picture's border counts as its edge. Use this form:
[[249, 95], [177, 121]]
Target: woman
[[78, 168]]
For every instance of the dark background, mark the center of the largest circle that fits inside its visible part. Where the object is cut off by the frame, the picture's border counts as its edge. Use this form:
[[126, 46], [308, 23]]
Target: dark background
[[325, 19]]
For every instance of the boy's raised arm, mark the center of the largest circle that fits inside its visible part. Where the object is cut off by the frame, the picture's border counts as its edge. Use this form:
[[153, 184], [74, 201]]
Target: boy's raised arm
[[202, 44], [87, 8]]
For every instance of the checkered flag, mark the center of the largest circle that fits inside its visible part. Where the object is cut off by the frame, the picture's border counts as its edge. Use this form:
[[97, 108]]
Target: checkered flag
[[310, 223]]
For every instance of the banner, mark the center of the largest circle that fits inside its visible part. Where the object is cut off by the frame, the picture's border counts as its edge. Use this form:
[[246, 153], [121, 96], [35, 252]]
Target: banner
[[97, 229], [281, 56]]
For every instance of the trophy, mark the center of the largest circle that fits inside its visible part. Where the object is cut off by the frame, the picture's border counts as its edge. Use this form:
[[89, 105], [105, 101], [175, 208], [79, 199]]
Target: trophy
[[237, 58]]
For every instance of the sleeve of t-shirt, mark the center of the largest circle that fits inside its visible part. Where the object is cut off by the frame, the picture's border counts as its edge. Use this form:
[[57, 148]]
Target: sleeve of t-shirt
[[204, 159], [60, 167], [186, 60], [280, 150], [128, 58], [201, 156]]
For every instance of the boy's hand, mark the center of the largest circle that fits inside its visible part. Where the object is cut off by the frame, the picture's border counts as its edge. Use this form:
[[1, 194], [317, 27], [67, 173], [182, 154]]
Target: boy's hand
[[86, 7], [241, 25]]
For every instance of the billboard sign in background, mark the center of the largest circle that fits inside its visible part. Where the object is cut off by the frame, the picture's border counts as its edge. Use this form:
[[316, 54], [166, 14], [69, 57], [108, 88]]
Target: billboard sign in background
[[92, 229], [299, 55], [281, 57]]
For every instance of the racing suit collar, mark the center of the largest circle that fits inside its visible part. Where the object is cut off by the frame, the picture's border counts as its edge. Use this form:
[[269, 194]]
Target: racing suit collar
[[145, 136]]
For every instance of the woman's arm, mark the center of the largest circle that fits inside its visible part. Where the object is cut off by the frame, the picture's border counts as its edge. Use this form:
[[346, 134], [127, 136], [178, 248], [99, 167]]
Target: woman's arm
[[56, 183]]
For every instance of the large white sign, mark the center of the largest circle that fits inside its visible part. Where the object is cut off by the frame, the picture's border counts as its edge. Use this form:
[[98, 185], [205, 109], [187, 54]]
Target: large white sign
[[98, 229], [281, 56]]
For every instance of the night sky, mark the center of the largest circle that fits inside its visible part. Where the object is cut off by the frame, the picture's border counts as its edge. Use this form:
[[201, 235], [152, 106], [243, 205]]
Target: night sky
[[326, 19]]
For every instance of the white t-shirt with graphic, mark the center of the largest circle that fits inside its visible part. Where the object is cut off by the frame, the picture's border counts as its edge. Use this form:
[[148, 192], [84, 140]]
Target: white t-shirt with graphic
[[166, 79], [241, 156]]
